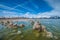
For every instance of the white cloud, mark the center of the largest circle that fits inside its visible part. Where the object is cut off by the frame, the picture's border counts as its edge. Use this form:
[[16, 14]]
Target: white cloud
[[55, 12], [29, 15], [8, 8], [54, 4], [8, 13]]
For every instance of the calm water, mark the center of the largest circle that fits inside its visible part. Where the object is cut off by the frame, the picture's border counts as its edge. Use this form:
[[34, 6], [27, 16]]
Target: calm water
[[52, 25]]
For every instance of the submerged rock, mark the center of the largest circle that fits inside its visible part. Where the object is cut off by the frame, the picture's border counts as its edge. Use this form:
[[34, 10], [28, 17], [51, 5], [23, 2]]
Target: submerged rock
[[55, 37], [22, 25], [49, 35], [8, 22], [2, 22], [19, 32], [11, 25], [15, 25], [32, 22]]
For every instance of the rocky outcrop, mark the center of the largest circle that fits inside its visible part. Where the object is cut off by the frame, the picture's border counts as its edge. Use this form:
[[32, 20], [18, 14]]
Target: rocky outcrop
[[39, 27]]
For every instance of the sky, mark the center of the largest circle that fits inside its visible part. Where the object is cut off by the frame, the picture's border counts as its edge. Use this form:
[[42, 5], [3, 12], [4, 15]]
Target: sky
[[29, 8]]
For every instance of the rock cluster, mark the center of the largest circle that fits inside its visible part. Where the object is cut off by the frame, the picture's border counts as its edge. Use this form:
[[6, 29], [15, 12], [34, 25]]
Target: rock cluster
[[39, 27]]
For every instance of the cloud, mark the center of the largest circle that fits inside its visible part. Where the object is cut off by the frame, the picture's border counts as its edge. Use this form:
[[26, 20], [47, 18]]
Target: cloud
[[9, 8], [53, 3], [51, 13], [8, 13], [55, 12], [29, 15]]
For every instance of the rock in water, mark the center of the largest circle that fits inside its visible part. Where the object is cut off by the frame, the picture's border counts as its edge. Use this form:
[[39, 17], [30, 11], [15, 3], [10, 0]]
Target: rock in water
[[19, 32], [38, 26], [55, 37], [49, 35], [22, 25], [32, 22]]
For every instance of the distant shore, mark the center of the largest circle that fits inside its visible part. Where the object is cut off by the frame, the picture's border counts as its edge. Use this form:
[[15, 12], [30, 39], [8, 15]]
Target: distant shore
[[22, 19], [18, 19]]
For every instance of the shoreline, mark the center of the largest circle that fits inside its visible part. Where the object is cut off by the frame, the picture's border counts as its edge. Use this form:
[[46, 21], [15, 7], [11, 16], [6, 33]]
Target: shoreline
[[14, 20], [18, 19]]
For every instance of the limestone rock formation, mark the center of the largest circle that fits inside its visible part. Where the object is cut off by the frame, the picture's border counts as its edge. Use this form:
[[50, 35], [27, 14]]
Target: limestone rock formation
[[39, 27]]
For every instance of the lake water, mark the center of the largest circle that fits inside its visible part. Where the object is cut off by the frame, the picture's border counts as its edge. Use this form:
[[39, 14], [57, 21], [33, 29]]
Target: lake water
[[52, 25]]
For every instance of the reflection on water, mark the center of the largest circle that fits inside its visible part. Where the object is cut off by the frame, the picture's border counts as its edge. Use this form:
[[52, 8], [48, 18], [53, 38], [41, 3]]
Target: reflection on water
[[26, 33]]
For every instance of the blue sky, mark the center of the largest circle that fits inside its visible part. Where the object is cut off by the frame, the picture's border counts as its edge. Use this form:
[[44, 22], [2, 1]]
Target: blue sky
[[29, 8]]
